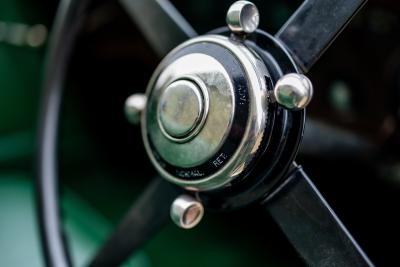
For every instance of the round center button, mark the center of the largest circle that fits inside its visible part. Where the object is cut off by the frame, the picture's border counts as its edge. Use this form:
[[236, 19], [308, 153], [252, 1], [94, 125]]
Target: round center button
[[181, 110]]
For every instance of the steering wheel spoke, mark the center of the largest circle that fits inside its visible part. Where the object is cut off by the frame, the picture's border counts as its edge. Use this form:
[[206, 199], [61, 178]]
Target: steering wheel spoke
[[312, 226], [314, 26], [160, 22], [145, 218]]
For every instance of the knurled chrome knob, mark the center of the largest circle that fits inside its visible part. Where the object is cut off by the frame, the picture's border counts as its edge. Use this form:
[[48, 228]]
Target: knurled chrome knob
[[293, 91], [134, 105], [186, 211], [242, 17]]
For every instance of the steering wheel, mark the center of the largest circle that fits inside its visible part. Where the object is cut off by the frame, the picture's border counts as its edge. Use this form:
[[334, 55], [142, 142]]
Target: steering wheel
[[222, 121]]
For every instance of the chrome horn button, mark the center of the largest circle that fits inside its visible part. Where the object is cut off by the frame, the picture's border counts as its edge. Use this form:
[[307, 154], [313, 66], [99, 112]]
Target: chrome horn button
[[181, 109]]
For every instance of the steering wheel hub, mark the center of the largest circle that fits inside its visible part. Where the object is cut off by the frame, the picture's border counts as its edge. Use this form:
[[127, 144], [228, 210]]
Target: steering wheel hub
[[206, 112]]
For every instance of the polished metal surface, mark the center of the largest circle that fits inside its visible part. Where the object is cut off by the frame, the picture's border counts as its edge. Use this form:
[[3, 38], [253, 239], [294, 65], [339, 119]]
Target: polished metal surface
[[181, 109], [160, 22], [218, 106], [314, 26], [186, 212], [134, 105], [243, 17], [220, 114], [293, 91]]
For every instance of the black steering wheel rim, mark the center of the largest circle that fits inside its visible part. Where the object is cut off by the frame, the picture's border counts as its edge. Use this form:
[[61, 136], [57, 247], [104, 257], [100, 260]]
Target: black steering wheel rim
[[67, 26]]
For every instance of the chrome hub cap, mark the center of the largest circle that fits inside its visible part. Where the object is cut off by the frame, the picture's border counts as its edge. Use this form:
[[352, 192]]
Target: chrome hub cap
[[206, 112]]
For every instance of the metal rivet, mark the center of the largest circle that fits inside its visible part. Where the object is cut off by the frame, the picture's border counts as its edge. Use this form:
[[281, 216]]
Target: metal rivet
[[134, 105], [293, 91], [243, 17], [186, 212]]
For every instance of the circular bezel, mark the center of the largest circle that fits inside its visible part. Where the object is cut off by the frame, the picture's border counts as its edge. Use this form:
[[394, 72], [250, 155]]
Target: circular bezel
[[248, 75]]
